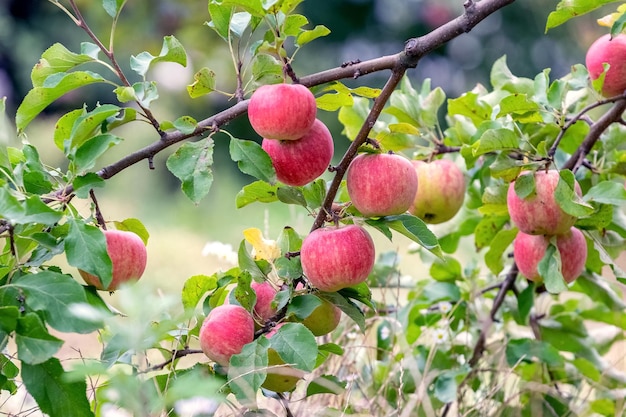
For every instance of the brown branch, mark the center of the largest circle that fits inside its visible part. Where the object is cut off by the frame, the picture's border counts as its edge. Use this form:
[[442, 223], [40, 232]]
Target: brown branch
[[176, 354], [613, 115]]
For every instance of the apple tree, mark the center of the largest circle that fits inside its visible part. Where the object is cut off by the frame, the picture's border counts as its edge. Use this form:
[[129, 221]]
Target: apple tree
[[510, 197]]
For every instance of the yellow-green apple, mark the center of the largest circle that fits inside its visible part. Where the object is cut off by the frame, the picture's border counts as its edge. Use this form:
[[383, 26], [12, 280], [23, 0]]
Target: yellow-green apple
[[441, 190], [337, 257], [265, 293], [323, 319], [611, 51], [225, 331], [539, 213], [381, 184], [298, 162], [280, 378], [282, 111], [128, 256], [528, 250]]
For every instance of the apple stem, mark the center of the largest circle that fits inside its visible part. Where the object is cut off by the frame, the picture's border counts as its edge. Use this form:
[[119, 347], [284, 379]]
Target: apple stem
[[99, 218]]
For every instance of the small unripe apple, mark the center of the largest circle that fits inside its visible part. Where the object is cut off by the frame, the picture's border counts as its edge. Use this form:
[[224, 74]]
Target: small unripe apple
[[613, 52], [381, 184], [280, 378], [298, 162], [265, 293], [282, 111], [324, 319], [441, 190], [539, 213], [128, 256], [225, 331], [337, 257], [528, 250]]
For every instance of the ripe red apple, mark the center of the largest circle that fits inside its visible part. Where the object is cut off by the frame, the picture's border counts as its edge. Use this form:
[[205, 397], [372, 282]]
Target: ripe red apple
[[381, 184], [613, 52], [441, 190], [282, 111], [539, 213], [265, 293], [298, 162], [528, 250], [128, 255], [225, 331], [337, 257], [324, 319], [280, 378]]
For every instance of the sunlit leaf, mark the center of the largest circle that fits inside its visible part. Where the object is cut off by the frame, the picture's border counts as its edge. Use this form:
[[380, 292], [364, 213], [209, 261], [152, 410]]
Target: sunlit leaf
[[192, 165]]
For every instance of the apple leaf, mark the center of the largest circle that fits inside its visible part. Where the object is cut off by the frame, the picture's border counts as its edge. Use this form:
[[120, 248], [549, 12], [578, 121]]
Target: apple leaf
[[314, 193], [192, 164], [86, 249], [87, 154], [247, 263], [347, 306], [525, 303], [470, 106], [527, 349], [288, 268], [415, 229], [296, 345], [196, 287], [524, 185], [135, 226], [291, 195], [83, 126], [55, 396], [84, 183], [252, 159], [446, 269], [568, 9], [499, 244], [266, 69], [568, 199], [607, 192], [259, 191], [289, 240], [326, 384], [309, 35], [57, 59], [549, 269], [247, 370], [303, 305], [171, 51], [496, 140], [34, 344]]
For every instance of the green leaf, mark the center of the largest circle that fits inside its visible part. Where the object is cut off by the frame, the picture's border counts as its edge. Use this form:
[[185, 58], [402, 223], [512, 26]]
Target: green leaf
[[502, 240], [352, 117], [259, 191], [192, 165], [525, 185], [135, 226], [89, 152], [296, 345], [84, 183], [54, 395], [196, 287], [549, 268], [470, 106], [415, 229], [607, 192], [113, 7], [171, 51], [266, 69], [56, 59], [291, 195], [247, 372], [252, 159], [86, 125], [446, 269], [310, 35], [347, 306], [204, 83], [502, 78], [289, 240], [220, 18], [34, 344], [144, 93], [55, 296], [302, 306], [315, 193], [85, 248], [246, 263], [568, 9], [446, 385], [186, 124], [326, 384], [525, 303], [526, 349], [64, 126], [440, 291], [568, 199], [54, 87], [496, 140], [253, 7]]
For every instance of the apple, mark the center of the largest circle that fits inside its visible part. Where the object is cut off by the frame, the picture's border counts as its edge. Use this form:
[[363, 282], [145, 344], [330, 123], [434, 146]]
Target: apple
[[441, 190], [280, 378], [225, 331], [539, 213], [323, 319], [265, 293], [128, 256], [282, 111], [528, 250], [298, 162], [381, 184], [337, 257], [613, 52]]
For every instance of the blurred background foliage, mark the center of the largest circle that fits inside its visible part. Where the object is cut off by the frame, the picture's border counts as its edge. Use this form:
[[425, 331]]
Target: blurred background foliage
[[360, 30]]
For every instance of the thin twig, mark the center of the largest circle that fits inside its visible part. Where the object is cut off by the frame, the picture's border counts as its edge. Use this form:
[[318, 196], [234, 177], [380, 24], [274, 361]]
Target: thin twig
[[176, 354]]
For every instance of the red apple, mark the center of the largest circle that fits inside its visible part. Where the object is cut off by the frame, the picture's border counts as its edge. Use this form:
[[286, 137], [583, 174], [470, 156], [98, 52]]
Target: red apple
[[337, 257], [128, 255], [298, 162], [539, 213], [441, 190], [528, 250], [282, 111], [381, 184], [280, 378], [225, 331], [265, 293], [324, 319], [613, 52]]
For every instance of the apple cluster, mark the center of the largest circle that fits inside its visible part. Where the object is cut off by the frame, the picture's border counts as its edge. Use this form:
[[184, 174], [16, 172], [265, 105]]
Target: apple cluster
[[612, 51], [299, 145], [539, 219]]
